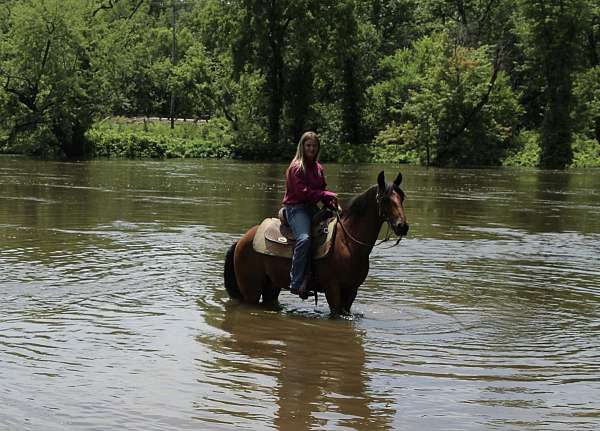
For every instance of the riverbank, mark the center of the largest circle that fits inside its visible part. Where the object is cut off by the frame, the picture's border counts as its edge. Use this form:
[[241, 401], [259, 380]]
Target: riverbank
[[143, 137], [119, 137], [152, 137]]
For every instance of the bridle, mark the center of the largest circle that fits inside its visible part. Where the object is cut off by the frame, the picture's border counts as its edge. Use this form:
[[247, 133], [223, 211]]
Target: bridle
[[382, 215]]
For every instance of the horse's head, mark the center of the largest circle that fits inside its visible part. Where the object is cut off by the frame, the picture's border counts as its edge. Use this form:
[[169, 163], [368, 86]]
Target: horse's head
[[390, 203]]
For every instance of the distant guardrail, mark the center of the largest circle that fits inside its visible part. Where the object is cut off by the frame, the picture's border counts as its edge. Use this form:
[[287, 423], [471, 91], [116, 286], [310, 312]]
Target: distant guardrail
[[162, 119]]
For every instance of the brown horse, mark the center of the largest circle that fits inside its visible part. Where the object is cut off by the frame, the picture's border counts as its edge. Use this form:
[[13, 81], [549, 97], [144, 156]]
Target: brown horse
[[250, 275]]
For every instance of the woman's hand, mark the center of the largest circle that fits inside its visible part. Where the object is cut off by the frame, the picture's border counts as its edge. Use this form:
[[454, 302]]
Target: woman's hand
[[330, 200]]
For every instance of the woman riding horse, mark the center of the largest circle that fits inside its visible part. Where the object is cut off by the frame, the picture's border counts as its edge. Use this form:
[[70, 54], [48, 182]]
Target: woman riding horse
[[250, 276], [304, 186]]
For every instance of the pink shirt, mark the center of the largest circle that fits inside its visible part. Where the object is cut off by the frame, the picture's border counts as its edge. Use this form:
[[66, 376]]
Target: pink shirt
[[305, 187]]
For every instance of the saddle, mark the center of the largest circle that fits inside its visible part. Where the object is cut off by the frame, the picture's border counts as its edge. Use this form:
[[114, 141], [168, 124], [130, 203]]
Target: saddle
[[275, 238]]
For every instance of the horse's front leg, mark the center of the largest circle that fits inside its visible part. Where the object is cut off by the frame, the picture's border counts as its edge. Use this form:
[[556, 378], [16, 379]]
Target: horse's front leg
[[347, 299], [340, 300], [333, 293]]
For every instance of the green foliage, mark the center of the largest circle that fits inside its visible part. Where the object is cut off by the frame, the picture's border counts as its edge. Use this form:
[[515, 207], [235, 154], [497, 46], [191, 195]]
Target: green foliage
[[436, 82], [549, 33], [345, 153], [586, 91], [527, 150], [192, 80], [125, 139], [586, 152], [137, 64], [50, 95], [395, 23], [390, 145], [445, 104], [248, 121]]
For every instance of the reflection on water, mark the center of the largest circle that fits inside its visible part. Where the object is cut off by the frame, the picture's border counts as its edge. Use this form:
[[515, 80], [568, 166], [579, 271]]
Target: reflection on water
[[308, 371], [485, 317]]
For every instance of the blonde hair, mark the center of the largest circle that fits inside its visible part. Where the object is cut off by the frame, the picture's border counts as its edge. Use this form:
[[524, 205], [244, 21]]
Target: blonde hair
[[299, 157]]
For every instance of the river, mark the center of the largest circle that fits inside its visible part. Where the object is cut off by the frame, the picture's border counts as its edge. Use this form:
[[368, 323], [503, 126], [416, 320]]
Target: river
[[114, 315]]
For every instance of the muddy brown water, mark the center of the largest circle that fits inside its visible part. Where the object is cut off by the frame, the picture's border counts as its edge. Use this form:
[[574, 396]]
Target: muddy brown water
[[114, 314]]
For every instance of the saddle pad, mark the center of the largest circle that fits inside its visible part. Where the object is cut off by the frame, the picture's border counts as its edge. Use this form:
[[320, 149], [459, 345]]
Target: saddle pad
[[270, 240]]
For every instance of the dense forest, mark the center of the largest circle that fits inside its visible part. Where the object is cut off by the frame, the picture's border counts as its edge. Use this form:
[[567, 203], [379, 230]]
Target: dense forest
[[437, 82]]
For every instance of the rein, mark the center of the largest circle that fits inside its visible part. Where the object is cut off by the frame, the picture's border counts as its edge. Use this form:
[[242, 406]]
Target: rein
[[359, 242]]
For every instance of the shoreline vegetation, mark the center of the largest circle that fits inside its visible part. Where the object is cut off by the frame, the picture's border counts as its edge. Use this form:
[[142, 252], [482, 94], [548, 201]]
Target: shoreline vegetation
[[429, 82], [141, 137], [152, 137]]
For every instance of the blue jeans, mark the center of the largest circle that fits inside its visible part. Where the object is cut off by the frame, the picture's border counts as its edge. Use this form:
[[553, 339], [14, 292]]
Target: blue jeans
[[299, 218]]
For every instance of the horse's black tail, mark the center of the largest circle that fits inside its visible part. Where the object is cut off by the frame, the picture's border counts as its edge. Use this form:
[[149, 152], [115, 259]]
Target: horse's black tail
[[229, 274]]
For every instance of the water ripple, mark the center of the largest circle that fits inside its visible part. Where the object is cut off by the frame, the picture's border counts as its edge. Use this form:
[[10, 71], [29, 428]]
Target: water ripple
[[114, 311]]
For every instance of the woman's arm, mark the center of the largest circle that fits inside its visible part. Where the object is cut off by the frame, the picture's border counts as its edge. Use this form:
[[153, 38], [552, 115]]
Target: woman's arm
[[329, 198]]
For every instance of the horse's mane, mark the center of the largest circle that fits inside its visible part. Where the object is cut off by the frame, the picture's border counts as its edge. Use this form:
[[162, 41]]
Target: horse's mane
[[359, 204]]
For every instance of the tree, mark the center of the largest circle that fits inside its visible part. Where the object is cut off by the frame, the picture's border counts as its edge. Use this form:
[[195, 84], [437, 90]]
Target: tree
[[549, 33], [46, 69], [450, 104], [393, 20], [587, 83], [470, 23], [263, 42], [437, 79]]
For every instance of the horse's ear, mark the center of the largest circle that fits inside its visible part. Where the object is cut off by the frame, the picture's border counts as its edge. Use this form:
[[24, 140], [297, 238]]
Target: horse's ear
[[398, 179], [381, 181]]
